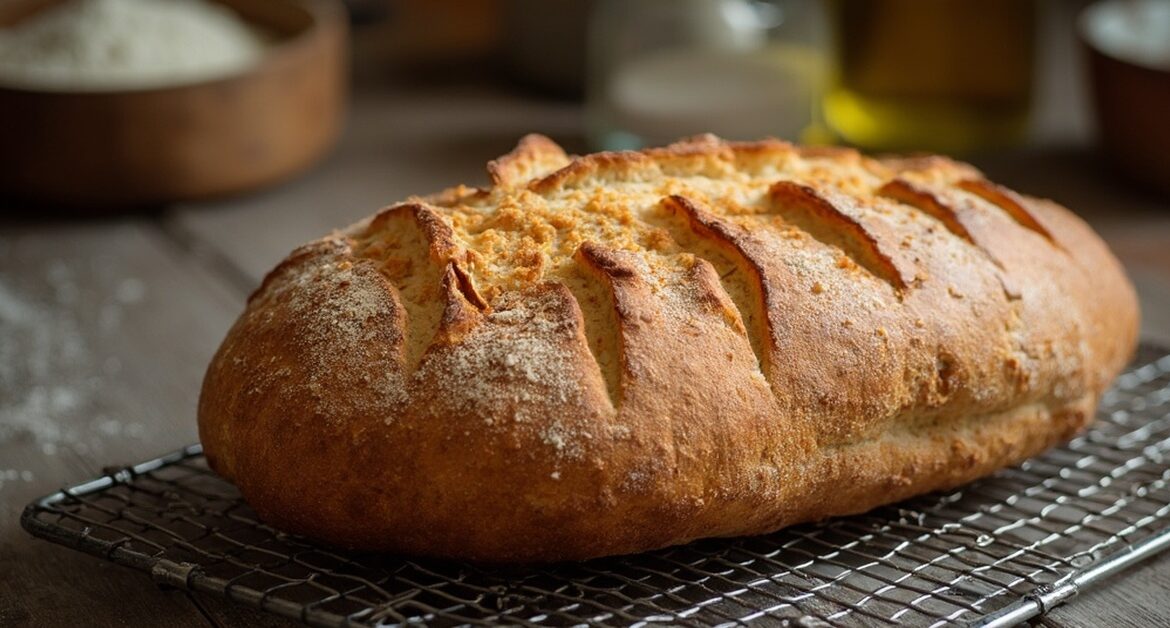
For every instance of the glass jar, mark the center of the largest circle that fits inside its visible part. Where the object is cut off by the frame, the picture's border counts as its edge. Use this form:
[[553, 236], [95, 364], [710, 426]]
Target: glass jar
[[941, 75], [659, 70]]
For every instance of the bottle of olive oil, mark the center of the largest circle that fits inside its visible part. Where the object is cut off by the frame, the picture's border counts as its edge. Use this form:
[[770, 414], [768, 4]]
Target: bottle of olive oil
[[952, 76]]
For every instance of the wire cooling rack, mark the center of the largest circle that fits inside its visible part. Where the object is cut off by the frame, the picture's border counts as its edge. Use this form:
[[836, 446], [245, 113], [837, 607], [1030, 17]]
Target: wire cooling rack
[[993, 553]]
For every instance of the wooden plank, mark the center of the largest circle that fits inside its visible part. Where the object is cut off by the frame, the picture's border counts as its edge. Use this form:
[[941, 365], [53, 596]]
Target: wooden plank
[[1136, 599], [223, 613], [104, 335]]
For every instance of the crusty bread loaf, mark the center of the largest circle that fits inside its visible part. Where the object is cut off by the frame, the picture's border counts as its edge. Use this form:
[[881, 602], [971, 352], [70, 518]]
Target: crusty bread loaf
[[624, 351]]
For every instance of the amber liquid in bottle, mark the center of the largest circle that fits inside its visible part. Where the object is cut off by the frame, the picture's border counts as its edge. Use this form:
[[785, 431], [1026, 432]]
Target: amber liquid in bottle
[[942, 75]]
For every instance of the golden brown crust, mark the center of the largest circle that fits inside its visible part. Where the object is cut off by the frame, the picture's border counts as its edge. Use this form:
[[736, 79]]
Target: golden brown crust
[[623, 351]]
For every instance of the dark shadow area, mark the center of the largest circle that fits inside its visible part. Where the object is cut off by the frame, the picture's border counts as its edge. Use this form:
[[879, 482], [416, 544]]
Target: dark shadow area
[[1077, 177], [24, 212]]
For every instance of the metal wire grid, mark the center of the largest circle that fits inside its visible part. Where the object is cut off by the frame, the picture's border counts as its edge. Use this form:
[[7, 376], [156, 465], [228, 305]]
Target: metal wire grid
[[994, 552]]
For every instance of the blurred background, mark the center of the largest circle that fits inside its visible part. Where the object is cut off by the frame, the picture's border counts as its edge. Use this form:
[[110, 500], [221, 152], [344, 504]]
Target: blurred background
[[124, 104], [157, 157]]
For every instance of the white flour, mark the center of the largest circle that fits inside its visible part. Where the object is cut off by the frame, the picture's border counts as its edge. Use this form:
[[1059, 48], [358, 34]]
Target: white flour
[[49, 373], [34, 340], [126, 44]]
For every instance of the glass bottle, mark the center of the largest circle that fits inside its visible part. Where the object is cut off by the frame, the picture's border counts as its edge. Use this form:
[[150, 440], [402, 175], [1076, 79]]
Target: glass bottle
[[941, 75]]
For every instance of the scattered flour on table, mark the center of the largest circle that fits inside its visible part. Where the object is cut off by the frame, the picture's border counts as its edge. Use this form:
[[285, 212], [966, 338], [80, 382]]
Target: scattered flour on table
[[34, 340], [12, 476], [49, 373], [127, 44]]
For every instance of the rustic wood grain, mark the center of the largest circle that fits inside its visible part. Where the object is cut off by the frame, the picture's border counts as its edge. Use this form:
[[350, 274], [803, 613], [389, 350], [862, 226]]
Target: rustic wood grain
[[105, 329], [1137, 599]]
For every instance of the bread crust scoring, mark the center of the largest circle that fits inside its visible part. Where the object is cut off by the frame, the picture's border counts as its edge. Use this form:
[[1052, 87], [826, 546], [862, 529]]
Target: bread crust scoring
[[622, 351]]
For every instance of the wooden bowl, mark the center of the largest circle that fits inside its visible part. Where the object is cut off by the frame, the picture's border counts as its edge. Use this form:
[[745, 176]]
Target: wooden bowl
[[207, 139], [1131, 90]]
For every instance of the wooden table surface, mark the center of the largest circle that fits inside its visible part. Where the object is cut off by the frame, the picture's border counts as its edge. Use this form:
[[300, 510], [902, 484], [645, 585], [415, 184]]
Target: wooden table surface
[[106, 324]]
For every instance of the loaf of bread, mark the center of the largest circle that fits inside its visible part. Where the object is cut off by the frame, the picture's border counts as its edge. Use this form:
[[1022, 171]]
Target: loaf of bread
[[623, 351]]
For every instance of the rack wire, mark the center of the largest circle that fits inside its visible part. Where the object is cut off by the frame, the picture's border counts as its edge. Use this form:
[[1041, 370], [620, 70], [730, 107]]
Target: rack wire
[[993, 553]]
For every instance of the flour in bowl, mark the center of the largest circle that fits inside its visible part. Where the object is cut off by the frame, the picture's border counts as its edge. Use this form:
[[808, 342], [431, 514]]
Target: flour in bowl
[[107, 45]]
